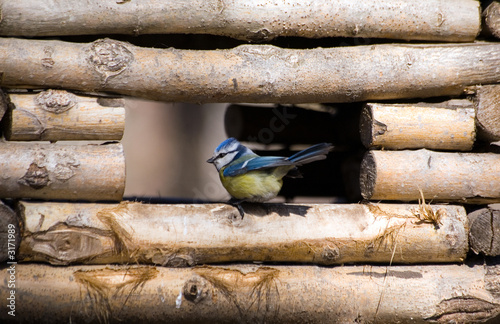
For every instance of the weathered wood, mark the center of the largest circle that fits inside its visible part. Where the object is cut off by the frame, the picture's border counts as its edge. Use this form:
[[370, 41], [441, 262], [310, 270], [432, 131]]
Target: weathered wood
[[3, 104], [60, 115], [255, 294], [487, 102], [455, 20], [251, 73], [10, 235], [459, 177], [491, 17], [181, 235], [484, 233], [445, 126], [57, 171]]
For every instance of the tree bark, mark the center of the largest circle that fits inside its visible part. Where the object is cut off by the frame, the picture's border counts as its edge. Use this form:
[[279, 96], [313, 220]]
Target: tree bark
[[491, 17], [456, 21], [459, 177], [251, 73], [58, 115], [487, 102], [10, 235], [56, 171], [445, 126], [485, 230], [255, 294], [181, 235]]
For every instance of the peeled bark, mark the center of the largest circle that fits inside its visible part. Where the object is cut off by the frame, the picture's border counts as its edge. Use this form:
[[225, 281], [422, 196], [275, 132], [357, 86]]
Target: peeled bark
[[255, 294], [251, 73], [57, 171], [444, 126], [458, 177], [58, 115], [437, 20], [181, 235]]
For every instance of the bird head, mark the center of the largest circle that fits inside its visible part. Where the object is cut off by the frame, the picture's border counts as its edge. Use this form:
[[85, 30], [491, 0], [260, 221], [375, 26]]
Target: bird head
[[227, 152]]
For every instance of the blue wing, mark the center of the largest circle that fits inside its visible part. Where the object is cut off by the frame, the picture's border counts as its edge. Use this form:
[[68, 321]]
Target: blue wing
[[256, 163]]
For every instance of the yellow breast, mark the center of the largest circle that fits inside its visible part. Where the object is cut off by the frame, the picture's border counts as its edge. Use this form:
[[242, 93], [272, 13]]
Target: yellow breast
[[256, 186]]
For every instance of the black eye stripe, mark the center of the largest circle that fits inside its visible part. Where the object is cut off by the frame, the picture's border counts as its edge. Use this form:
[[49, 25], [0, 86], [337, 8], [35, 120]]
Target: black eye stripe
[[223, 154]]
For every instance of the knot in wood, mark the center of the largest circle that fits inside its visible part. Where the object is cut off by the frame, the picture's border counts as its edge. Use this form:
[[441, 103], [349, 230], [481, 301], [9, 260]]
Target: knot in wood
[[55, 101], [196, 289], [109, 57], [330, 254], [35, 177]]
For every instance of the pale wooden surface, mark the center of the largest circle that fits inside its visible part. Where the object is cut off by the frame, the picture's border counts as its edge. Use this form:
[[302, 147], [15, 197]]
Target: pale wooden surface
[[457, 20], [180, 235], [251, 73], [487, 102], [56, 171], [444, 126], [467, 293], [57, 115], [458, 177]]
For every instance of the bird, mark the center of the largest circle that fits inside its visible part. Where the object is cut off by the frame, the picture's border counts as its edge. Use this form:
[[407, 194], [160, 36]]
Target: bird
[[249, 177]]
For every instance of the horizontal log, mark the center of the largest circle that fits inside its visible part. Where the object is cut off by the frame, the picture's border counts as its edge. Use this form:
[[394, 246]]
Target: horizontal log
[[457, 20], [10, 236], [254, 294], [487, 103], [459, 177], [58, 115], [250, 73], [484, 232], [181, 235], [491, 18], [442, 126], [56, 171]]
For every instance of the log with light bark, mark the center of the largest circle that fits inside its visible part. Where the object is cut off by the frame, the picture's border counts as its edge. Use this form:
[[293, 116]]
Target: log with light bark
[[181, 235], [467, 293], [442, 126], [10, 235], [454, 20], [250, 73], [487, 103], [491, 18], [484, 232], [57, 171], [459, 177], [60, 115]]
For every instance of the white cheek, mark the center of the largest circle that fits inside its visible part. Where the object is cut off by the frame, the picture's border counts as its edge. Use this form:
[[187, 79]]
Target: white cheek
[[219, 163]]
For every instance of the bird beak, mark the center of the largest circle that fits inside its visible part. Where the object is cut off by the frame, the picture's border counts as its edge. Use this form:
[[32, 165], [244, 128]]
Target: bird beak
[[211, 160]]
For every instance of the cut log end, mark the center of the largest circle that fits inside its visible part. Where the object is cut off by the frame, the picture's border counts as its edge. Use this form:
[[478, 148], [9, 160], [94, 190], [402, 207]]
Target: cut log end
[[484, 230], [368, 176], [491, 19]]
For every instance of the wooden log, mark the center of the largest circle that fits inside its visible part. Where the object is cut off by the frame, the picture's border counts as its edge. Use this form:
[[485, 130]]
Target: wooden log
[[250, 73], [459, 177], [444, 126], [491, 19], [255, 294], [484, 230], [487, 103], [3, 104], [10, 236], [56, 171], [455, 21], [56, 115], [181, 235]]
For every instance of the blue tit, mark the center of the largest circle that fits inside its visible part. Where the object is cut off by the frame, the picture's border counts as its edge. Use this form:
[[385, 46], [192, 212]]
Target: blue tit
[[249, 177]]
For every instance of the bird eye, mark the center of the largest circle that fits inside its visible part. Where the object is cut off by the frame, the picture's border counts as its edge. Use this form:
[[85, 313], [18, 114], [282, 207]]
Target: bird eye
[[222, 155]]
